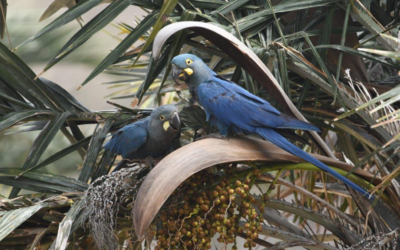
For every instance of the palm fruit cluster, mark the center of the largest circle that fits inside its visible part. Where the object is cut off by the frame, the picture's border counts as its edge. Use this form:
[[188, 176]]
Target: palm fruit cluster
[[208, 205]]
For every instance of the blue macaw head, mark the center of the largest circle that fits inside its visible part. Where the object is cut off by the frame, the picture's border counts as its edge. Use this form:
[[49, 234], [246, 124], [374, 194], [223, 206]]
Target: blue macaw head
[[164, 122], [190, 69]]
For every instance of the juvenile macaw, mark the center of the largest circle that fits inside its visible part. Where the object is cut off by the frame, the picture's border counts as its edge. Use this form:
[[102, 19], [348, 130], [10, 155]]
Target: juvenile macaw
[[234, 109], [148, 137]]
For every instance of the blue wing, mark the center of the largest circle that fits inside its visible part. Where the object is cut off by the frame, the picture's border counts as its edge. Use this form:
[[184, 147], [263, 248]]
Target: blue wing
[[237, 108], [128, 139], [233, 87]]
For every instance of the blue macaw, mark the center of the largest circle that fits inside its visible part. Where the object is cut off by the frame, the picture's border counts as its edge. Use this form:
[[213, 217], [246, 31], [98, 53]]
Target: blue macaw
[[234, 109], [149, 137]]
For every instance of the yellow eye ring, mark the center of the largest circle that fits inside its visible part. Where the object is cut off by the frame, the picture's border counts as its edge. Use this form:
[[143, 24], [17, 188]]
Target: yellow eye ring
[[162, 117], [188, 61]]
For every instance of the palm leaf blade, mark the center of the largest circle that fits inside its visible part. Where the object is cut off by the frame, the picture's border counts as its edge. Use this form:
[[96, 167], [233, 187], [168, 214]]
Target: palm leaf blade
[[87, 31], [12, 219]]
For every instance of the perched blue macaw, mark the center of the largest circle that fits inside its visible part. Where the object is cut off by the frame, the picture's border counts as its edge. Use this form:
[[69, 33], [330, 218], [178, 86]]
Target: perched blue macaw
[[234, 109], [149, 137]]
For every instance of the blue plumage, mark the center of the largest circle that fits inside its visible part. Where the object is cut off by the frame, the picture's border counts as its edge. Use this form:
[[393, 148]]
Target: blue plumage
[[129, 138], [149, 137], [233, 108], [218, 96]]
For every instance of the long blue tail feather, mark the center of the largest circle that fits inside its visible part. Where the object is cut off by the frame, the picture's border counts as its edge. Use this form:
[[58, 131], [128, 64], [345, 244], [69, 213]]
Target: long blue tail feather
[[280, 141], [293, 123]]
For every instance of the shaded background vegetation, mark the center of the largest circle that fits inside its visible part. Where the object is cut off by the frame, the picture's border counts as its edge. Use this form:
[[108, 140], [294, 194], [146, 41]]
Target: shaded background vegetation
[[23, 22]]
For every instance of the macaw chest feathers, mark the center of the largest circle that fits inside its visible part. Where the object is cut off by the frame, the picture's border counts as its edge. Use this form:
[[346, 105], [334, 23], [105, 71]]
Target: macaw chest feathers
[[157, 148]]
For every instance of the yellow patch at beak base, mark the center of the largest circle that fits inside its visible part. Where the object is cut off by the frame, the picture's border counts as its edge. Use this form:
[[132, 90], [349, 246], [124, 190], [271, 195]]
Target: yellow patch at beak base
[[188, 71], [166, 125]]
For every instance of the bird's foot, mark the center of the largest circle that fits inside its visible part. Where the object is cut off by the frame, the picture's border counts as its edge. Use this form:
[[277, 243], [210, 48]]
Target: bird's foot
[[213, 135], [151, 162], [131, 162]]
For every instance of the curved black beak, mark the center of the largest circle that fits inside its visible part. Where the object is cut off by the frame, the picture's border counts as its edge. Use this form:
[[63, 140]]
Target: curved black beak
[[177, 75], [175, 122]]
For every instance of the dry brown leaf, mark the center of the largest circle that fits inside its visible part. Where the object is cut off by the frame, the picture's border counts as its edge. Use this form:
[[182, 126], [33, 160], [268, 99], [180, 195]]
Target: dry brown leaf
[[55, 6], [194, 157]]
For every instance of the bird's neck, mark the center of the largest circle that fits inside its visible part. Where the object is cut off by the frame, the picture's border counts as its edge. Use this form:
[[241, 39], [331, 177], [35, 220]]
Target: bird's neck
[[203, 75]]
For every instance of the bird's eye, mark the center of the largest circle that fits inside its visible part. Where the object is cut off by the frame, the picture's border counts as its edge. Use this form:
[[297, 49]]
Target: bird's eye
[[162, 117], [188, 61]]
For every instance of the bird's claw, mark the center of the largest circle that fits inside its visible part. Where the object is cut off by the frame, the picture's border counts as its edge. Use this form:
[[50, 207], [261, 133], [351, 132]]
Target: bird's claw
[[149, 161]]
